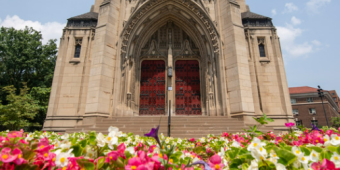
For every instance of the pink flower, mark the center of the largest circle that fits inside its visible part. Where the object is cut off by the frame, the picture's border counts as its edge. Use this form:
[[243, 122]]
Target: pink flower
[[6, 156], [18, 153], [290, 124], [326, 165], [14, 134], [215, 162], [133, 164], [192, 140], [112, 156]]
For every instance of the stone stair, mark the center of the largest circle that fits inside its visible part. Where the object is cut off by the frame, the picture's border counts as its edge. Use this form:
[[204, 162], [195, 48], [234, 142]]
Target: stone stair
[[181, 126]]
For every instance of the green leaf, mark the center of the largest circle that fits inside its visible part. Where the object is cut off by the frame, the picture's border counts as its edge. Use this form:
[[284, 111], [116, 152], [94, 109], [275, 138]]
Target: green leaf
[[332, 148], [317, 149], [305, 150], [86, 164], [77, 150], [245, 166], [233, 152], [325, 155], [235, 163], [100, 162], [286, 157]]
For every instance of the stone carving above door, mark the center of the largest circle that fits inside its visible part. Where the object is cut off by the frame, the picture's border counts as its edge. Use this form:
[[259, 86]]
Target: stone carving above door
[[181, 43]]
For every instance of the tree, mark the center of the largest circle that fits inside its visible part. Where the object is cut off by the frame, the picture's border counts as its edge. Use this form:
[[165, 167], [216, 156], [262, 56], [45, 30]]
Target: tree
[[23, 58], [19, 110], [41, 96], [336, 122]]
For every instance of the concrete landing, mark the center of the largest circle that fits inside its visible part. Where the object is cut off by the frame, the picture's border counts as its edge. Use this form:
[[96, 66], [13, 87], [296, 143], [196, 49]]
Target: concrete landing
[[181, 126]]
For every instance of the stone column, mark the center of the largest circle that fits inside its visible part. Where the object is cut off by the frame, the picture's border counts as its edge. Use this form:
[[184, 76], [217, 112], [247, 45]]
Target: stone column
[[236, 61], [103, 62]]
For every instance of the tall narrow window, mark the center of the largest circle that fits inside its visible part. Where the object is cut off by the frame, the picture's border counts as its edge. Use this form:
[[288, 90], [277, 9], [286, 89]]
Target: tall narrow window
[[77, 48], [262, 47]]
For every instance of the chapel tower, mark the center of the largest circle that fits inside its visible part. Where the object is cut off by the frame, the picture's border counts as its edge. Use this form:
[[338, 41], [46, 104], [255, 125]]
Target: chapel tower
[[129, 58]]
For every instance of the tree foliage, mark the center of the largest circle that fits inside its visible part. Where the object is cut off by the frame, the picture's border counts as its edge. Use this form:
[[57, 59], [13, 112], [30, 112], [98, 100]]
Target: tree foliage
[[19, 110], [23, 58], [336, 122]]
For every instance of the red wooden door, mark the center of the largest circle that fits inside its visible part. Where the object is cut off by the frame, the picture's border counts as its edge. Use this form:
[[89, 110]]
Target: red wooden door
[[188, 97], [152, 88]]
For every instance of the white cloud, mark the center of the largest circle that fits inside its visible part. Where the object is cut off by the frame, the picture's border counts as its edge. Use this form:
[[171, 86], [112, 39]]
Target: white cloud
[[290, 7], [274, 12], [288, 36], [316, 43], [314, 5], [295, 21], [50, 30]]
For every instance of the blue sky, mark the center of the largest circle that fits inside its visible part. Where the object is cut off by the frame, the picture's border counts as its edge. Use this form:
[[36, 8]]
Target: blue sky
[[308, 30]]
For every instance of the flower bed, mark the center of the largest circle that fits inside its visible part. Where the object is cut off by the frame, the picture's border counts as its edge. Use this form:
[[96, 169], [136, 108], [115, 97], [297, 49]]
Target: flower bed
[[316, 149]]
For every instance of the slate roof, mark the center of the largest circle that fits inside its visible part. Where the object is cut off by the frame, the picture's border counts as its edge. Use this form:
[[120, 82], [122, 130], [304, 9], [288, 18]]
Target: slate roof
[[89, 15], [303, 89], [251, 15]]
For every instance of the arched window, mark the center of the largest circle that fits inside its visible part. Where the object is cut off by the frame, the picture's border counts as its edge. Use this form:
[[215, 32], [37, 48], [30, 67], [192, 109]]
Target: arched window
[[262, 48], [77, 48]]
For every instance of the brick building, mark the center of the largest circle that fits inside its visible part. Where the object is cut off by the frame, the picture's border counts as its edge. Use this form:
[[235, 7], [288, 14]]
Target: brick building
[[307, 106]]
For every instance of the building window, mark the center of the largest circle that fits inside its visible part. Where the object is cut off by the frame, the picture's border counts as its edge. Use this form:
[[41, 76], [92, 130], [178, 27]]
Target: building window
[[295, 112], [334, 98], [262, 47], [333, 94], [298, 123], [309, 100], [78, 48], [312, 111], [315, 122], [293, 101]]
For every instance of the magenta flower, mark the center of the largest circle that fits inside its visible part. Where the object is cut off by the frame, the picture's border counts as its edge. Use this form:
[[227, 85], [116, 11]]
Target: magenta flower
[[15, 134], [326, 165], [6, 156], [133, 164], [112, 156], [183, 167], [290, 124], [154, 134], [18, 153], [215, 162]]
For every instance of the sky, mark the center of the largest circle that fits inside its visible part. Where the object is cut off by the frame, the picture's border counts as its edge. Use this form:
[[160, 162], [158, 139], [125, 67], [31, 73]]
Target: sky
[[308, 30]]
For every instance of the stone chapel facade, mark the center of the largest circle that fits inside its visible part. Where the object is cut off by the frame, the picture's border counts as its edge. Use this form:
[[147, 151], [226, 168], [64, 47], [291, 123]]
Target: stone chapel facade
[[131, 57]]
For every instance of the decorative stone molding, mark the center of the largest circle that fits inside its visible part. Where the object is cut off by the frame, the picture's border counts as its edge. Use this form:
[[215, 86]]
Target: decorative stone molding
[[190, 5]]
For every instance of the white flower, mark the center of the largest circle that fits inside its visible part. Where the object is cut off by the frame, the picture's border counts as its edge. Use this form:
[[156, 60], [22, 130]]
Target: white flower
[[131, 150], [336, 159], [113, 129], [221, 153], [100, 140], [254, 165], [335, 140], [235, 144], [280, 167], [255, 144], [296, 151], [111, 140], [61, 158], [65, 145], [314, 156], [274, 156], [65, 136], [259, 154], [57, 144], [29, 137], [303, 159]]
